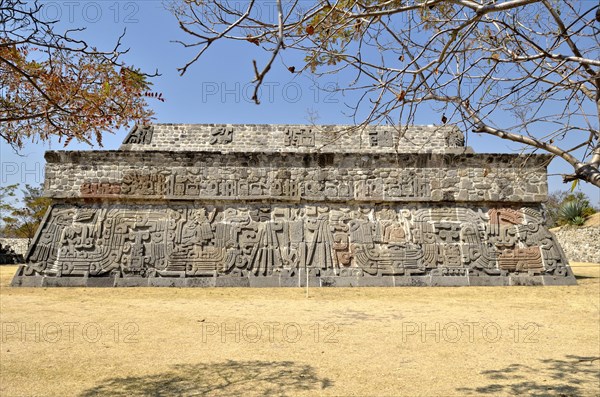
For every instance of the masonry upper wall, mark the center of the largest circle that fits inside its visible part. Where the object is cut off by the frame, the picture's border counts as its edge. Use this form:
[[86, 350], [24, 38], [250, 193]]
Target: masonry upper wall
[[294, 138], [295, 177]]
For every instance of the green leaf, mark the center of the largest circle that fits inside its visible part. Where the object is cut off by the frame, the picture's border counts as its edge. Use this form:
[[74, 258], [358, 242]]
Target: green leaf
[[574, 185]]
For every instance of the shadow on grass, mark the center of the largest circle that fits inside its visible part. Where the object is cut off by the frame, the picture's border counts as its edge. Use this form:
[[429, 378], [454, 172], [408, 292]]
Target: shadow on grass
[[584, 277], [572, 376], [254, 378]]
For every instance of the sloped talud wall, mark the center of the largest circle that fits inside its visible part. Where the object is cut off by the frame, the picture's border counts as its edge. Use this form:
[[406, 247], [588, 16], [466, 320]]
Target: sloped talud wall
[[275, 245]]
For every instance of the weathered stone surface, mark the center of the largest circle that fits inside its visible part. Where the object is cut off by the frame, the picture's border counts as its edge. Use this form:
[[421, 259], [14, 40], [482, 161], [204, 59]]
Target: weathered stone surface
[[241, 138], [332, 177], [257, 244], [365, 216]]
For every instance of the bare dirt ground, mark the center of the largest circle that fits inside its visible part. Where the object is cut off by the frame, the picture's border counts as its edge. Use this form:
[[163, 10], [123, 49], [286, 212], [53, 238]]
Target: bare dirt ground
[[593, 220], [339, 342]]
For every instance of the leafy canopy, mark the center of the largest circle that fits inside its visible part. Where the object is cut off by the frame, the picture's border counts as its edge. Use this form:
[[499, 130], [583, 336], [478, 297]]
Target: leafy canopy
[[54, 85]]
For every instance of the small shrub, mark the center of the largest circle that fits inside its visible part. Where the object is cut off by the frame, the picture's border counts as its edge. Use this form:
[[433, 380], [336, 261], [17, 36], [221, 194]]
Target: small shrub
[[588, 211], [572, 213], [578, 221]]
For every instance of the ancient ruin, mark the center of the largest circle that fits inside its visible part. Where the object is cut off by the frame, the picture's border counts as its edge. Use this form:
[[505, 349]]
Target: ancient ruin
[[286, 205]]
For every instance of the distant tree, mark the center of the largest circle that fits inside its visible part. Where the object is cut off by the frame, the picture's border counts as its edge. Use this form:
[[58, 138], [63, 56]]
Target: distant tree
[[473, 61], [56, 85], [23, 222], [7, 207]]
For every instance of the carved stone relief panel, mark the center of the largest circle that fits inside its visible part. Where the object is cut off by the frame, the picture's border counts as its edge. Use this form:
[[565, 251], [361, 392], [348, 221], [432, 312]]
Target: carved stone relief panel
[[257, 240]]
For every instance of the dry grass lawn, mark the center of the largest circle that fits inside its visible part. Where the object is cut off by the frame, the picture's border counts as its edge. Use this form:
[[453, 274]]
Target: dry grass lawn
[[339, 342]]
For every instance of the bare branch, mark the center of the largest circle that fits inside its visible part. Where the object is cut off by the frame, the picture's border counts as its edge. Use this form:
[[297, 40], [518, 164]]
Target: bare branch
[[523, 70]]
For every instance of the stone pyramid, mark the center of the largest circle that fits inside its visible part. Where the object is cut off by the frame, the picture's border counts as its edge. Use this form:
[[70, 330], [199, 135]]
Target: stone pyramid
[[285, 205]]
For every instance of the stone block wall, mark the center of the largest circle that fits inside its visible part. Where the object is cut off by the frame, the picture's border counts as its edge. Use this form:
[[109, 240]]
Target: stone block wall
[[331, 177], [581, 244], [19, 245], [294, 138]]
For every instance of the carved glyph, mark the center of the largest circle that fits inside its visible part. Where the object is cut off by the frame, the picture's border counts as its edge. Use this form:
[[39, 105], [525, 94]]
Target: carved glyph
[[140, 135]]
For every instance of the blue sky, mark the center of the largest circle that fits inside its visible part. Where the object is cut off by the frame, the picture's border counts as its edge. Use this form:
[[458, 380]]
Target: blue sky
[[217, 89]]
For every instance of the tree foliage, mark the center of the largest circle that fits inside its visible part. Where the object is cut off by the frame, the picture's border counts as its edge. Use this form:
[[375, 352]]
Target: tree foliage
[[53, 84], [23, 222], [523, 70], [7, 196]]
